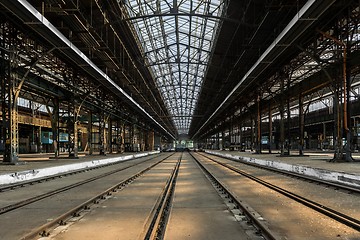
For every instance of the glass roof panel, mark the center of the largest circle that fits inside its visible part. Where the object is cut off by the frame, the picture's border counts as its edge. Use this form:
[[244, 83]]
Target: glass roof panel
[[176, 38]]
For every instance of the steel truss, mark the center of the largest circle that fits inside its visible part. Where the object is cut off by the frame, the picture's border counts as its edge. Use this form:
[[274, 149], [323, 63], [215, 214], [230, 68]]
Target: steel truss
[[317, 73], [32, 70]]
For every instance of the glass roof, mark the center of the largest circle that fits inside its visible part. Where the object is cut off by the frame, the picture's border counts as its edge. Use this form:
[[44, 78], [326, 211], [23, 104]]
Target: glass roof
[[176, 38]]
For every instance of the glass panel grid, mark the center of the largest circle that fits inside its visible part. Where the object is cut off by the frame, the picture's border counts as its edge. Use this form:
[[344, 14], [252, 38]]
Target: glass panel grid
[[176, 41]]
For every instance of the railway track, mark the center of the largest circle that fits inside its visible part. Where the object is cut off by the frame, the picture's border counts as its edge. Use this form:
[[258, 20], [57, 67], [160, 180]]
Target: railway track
[[44, 230], [10, 210], [306, 201], [250, 216], [174, 197], [158, 219], [39, 197], [336, 186], [156, 223], [10, 187]]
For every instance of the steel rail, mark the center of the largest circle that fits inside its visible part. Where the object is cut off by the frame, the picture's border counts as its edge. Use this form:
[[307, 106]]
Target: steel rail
[[28, 201], [43, 230], [52, 177], [262, 228], [297, 175], [336, 215], [157, 225]]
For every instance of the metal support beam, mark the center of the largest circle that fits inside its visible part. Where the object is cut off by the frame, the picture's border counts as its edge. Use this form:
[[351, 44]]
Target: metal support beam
[[72, 126], [301, 125], [102, 133], [252, 122], [337, 129], [89, 133], [258, 127], [282, 128], [76, 141], [54, 115], [270, 128], [288, 146], [110, 136], [10, 131]]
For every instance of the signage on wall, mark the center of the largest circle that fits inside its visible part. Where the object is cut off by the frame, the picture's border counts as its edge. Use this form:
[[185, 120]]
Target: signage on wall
[[46, 137]]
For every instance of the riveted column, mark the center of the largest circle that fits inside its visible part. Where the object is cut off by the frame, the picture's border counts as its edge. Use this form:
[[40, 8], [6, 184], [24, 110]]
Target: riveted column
[[270, 128], [118, 136], [301, 125], [288, 123], [282, 128], [55, 125], [258, 127], [217, 139], [76, 141], [72, 126], [151, 140], [146, 139], [110, 135], [337, 129], [101, 133], [253, 138], [8, 65], [89, 133]]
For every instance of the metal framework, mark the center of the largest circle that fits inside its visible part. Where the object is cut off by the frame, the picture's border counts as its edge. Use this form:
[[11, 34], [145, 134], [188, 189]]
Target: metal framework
[[325, 72], [202, 68], [176, 39]]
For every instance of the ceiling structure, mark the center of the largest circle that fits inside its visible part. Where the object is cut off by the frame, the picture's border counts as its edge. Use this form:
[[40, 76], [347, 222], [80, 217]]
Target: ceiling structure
[[297, 47], [176, 39], [181, 64]]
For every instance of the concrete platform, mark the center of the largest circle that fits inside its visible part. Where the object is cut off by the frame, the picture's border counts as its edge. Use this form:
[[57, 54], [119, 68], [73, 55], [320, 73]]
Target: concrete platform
[[33, 166], [315, 164]]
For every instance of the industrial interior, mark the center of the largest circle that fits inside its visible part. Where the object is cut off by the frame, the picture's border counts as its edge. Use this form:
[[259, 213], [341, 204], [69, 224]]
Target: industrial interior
[[267, 80]]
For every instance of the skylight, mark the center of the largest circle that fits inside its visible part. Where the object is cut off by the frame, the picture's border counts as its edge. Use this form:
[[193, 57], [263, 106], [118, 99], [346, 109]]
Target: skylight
[[176, 38]]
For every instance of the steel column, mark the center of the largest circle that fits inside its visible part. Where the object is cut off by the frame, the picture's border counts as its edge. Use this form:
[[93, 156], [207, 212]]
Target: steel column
[[55, 125], [258, 137], [282, 127], [89, 135], [270, 128], [10, 131], [301, 125], [101, 133]]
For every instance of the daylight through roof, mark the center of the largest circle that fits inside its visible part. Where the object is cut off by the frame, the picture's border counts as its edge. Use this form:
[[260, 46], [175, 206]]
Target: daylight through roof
[[176, 39]]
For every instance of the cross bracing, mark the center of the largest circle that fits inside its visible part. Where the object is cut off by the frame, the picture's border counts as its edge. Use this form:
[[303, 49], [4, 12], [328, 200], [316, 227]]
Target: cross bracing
[[176, 39]]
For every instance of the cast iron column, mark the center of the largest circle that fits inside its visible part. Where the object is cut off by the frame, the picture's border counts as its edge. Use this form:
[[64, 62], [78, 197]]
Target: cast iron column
[[89, 133], [301, 125]]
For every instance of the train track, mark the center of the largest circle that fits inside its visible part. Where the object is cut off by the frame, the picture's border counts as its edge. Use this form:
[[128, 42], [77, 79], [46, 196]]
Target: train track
[[321, 208], [33, 199], [157, 225], [252, 218], [156, 218], [61, 219], [336, 186], [145, 209], [10, 187]]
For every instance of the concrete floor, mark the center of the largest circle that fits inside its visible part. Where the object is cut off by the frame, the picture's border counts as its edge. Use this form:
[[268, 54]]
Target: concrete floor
[[285, 217], [198, 212]]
